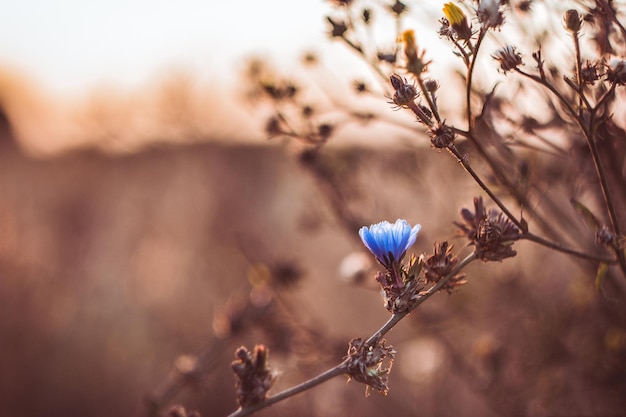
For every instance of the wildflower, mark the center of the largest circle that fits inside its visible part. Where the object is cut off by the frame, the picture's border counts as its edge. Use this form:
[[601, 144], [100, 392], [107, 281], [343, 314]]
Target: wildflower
[[509, 59], [415, 59], [572, 21], [458, 21], [616, 71], [489, 14], [389, 242], [370, 365], [492, 234]]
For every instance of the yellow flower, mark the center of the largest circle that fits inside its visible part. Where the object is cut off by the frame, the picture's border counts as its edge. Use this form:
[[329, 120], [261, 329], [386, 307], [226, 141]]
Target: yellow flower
[[415, 63], [454, 14], [408, 39], [457, 20]]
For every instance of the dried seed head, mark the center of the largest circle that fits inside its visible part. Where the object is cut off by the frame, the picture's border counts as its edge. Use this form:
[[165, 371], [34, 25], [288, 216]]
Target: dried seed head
[[589, 73], [492, 234], [489, 14], [509, 59], [370, 365], [338, 28], [389, 57], [254, 378], [398, 8], [273, 127], [441, 135], [572, 21], [441, 263], [616, 71]]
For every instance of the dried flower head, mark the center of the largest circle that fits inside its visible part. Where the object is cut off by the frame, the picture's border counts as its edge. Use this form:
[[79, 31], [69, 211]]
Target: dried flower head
[[405, 93], [441, 135], [366, 15], [401, 298], [458, 21], [492, 234], [445, 31], [273, 127], [616, 71], [370, 365], [397, 8], [441, 263], [572, 21], [338, 28], [254, 378], [489, 14], [389, 57], [589, 73], [509, 59]]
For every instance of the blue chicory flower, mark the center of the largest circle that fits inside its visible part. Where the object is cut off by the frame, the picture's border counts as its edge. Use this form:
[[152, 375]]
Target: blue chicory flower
[[389, 242]]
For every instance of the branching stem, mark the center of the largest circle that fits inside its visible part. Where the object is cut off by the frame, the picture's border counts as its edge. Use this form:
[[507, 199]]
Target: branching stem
[[341, 368]]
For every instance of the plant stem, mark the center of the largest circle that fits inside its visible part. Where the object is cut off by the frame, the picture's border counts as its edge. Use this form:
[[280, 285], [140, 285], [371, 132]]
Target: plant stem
[[470, 76], [559, 248], [323, 377], [454, 151], [588, 133], [341, 368], [394, 319], [579, 81]]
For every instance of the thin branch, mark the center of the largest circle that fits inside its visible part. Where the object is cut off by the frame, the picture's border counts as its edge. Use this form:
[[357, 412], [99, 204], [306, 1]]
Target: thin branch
[[323, 377], [341, 368], [559, 248], [463, 161]]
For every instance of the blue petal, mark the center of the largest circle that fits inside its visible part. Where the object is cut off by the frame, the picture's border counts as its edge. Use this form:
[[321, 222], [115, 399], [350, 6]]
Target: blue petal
[[386, 240]]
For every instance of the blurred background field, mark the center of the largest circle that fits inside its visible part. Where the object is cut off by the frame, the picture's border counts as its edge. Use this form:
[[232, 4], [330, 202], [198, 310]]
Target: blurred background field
[[147, 232]]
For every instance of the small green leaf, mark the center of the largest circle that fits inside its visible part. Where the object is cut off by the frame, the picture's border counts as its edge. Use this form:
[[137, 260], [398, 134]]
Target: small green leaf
[[600, 274], [591, 220]]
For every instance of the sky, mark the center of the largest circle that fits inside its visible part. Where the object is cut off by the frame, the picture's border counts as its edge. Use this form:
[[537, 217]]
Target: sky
[[68, 45], [78, 60]]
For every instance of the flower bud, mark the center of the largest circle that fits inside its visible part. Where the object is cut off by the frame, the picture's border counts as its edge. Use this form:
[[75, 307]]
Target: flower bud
[[457, 20], [415, 63], [431, 85], [572, 21]]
